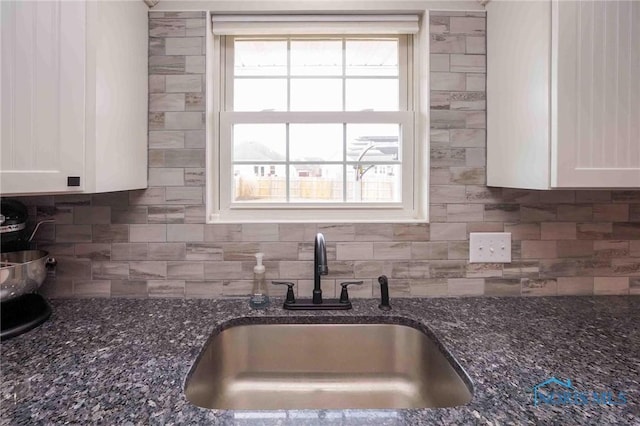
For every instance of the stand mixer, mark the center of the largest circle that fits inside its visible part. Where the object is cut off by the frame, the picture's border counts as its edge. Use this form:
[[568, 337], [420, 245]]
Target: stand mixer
[[22, 271]]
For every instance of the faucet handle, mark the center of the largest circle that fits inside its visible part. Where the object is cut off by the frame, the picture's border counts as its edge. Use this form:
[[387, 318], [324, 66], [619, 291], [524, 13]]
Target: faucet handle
[[344, 294], [291, 298], [384, 293]]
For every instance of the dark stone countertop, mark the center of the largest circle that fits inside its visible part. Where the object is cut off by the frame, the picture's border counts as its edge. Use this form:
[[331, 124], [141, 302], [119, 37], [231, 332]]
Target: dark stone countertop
[[116, 361]]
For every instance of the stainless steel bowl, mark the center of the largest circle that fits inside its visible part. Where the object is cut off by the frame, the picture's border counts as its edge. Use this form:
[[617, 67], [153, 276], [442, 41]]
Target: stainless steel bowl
[[21, 272]]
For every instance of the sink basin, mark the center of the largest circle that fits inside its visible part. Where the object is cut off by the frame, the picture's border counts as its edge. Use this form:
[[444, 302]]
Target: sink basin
[[325, 366]]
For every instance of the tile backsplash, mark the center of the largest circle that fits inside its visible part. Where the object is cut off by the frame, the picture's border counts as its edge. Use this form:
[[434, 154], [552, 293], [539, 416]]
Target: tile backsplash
[[155, 243]]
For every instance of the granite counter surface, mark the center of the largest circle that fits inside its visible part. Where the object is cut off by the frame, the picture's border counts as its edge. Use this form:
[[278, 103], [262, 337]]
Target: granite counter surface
[[117, 361]]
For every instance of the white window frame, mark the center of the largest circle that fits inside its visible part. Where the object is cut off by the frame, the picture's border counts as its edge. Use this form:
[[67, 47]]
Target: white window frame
[[221, 209]]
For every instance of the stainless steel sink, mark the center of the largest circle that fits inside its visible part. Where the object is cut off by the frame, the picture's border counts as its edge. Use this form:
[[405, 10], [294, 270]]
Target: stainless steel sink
[[316, 366]]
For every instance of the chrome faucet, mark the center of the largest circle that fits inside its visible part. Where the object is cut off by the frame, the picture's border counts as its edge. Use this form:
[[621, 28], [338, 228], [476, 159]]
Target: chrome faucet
[[319, 266]]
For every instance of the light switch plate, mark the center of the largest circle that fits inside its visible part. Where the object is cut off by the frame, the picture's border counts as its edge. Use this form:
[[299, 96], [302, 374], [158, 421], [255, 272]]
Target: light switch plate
[[490, 247]]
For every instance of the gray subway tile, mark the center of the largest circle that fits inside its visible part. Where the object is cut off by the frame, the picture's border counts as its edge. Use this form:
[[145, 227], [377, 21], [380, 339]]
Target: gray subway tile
[[194, 102], [73, 233], [439, 62], [165, 288], [166, 214], [171, 66], [156, 84], [166, 139], [129, 251], [185, 15], [195, 64], [129, 288], [145, 270], [203, 251], [184, 45], [156, 46], [185, 158], [185, 233], [110, 270], [185, 270], [166, 176], [441, 43], [93, 251], [468, 25], [448, 81], [110, 233], [184, 195], [188, 83], [195, 28], [167, 27], [183, 120], [91, 288], [167, 102]]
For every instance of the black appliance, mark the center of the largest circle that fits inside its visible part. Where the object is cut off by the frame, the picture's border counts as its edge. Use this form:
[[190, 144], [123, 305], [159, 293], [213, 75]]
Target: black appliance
[[13, 226], [27, 311]]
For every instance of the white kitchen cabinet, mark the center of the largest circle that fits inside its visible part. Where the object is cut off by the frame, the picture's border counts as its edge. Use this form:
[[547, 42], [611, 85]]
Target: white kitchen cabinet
[[74, 96], [563, 94]]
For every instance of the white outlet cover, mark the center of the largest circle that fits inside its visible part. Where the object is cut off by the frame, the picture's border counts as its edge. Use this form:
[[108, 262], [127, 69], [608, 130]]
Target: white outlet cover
[[490, 247]]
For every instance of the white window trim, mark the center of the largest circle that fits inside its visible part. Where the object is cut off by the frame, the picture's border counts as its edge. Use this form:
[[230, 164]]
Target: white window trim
[[219, 211]]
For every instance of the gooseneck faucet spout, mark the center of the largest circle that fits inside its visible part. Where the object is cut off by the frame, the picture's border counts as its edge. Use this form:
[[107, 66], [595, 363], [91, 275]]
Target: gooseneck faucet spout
[[319, 266]]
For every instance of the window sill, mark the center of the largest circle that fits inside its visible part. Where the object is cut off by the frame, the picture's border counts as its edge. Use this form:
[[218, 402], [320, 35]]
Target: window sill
[[316, 216]]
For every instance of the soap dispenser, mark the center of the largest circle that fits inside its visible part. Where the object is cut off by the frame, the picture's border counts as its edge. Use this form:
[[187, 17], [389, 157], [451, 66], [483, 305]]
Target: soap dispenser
[[259, 293]]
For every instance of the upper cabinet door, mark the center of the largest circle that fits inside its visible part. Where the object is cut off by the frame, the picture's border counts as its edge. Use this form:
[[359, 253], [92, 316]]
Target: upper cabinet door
[[595, 106], [43, 95], [518, 88], [563, 103]]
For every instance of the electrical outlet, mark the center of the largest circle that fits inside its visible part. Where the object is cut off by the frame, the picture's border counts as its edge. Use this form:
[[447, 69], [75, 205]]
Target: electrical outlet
[[490, 247]]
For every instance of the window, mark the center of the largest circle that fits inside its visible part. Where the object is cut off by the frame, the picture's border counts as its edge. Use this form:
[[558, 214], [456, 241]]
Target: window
[[313, 127]]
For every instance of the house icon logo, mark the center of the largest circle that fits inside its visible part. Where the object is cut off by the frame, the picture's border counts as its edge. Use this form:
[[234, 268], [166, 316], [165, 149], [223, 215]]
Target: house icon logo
[[538, 395], [554, 391]]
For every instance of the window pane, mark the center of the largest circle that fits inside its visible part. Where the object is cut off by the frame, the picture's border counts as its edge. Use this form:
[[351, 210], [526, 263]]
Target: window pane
[[315, 142], [316, 94], [256, 94], [259, 142], [315, 162], [255, 57], [261, 182], [372, 57], [374, 183], [373, 142], [372, 94], [315, 183], [316, 57]]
